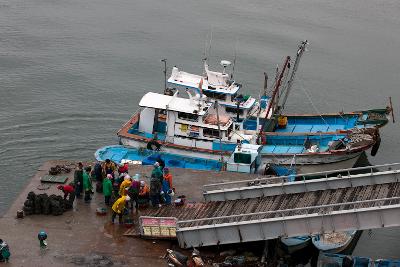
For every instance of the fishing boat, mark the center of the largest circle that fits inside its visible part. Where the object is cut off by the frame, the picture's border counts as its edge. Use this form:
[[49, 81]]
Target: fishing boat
[[197, 128], [387, 263], [293, 244], [250, 114], [182, 126], [339, 260], [334, 242], [312, 153]]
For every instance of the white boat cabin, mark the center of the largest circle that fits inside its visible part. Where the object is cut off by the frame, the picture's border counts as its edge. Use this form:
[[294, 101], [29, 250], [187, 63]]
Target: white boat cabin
[[246, 158], [189, 122], [216, 86]]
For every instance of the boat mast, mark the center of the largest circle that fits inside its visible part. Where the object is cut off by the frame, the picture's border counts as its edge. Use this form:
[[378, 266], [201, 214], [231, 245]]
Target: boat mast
[[165, 74], [300, 51], [271, 104], [234, 63]]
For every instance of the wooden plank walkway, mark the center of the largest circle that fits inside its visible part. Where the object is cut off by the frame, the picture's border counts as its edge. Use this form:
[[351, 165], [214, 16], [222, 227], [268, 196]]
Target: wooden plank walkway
[[278, 203]]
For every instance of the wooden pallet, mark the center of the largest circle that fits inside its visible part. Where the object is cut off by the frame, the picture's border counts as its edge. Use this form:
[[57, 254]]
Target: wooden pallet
[[54, 179]]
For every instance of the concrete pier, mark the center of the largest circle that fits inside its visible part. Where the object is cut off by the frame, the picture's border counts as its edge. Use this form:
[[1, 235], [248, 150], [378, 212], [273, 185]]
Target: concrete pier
[[80, 237]]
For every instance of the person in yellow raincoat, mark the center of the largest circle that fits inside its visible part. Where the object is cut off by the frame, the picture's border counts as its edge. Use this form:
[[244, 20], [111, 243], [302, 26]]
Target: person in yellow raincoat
[[118, 208], [124, 185]]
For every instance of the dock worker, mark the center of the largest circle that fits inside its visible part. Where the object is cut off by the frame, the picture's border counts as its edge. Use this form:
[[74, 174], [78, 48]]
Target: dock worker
[[98, 175], [133, 191], [123, 168], [4, 251], [155, 189], [124, 185], [118, 208], [144, 193], [167, 176], [68, 190], [167, 186], [78, 180], [107, 189], [109, 167], [87, 183], [161, 162], [157, 173]]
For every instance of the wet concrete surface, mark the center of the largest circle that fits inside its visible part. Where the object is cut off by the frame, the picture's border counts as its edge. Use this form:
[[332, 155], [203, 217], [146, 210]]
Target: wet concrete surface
[[80, 237]]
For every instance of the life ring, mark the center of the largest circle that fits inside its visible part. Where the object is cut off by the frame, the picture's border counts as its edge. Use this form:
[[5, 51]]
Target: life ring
[[375, 147], [153, 145]]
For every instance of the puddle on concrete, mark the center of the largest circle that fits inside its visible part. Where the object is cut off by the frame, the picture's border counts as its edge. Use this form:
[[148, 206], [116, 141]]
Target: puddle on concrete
[[91, 260]]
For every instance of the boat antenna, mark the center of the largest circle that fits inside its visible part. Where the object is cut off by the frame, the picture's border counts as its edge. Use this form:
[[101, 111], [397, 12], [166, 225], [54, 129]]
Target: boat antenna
[[234, 60], [300, 51], [391, 108], [265, 84], [209, 46], [165, 74], [205, 48]]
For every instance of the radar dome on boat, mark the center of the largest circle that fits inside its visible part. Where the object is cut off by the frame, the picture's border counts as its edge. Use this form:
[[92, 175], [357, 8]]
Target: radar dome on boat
[[225, 63]]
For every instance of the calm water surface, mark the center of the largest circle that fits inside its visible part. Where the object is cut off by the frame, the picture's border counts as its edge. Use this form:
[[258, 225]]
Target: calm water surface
[[71, 72]]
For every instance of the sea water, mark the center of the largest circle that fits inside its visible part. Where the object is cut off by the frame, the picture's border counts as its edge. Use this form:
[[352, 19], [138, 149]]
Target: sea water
[[72, 72]]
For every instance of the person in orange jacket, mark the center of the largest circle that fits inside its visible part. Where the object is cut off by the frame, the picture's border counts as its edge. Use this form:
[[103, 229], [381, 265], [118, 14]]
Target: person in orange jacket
[[144, 193], [168, 177]]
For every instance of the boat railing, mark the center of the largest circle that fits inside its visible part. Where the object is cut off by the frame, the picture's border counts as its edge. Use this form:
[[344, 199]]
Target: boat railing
[[323, 210], [340, 173], [134, 118]]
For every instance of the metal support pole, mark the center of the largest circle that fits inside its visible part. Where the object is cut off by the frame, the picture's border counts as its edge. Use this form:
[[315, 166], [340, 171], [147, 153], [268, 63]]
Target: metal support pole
[[165, 74], [219, 134]]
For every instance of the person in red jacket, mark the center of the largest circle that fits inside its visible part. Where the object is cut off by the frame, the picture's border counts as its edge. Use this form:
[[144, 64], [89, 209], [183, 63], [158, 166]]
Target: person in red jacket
[[67, 190], [123, 168]]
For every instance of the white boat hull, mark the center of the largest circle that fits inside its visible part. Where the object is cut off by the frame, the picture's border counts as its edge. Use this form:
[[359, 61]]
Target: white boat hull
[[137, 143], [313, 163], [303, 163]]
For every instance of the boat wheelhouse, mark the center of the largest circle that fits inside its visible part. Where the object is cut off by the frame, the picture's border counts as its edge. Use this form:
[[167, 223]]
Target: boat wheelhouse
[[186, 126], [215, 86]]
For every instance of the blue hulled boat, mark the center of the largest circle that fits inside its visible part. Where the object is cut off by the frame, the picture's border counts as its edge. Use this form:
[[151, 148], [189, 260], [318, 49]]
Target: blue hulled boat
[[339, 260], [293, 244], [387, 263]]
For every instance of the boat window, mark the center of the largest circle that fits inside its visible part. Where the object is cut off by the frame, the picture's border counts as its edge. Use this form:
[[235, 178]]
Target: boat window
[[207, 132], [188, 116], [230, 130], [214, 95], [242, 158], [233, 97], [234, 110]]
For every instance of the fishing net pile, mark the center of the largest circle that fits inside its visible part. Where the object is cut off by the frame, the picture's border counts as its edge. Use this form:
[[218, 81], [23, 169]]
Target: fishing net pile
[[335, 237], [212, 118], [44, 204], [58, 169]]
